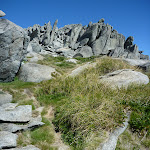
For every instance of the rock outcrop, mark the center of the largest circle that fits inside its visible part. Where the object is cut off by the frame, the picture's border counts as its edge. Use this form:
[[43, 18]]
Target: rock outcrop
[[13, 47], [86, 41]]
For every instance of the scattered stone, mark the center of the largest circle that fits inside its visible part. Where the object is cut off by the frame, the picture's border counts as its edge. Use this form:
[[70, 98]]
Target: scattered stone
[[7, 140], [124, 78], [19, 114], [72, 61], [31, 72], [2, 14], [5, 98], [33, 123]]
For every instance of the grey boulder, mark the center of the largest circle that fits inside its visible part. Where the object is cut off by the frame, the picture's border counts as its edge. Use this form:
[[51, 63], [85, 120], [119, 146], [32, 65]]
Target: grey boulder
[[124, 78], [5, 98], [13, 47], [7, 140], [19, 114], [31, 72]]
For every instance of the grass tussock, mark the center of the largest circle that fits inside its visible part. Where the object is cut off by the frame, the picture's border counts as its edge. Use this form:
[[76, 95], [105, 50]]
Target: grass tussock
[[85, 106]]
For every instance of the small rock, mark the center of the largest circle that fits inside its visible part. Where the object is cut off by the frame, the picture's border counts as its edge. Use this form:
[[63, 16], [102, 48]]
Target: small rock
[[5, 98], [72, 61], [7, 139]]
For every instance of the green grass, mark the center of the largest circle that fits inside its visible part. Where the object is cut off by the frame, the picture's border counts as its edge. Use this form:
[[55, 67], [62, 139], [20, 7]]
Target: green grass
[[85, 109], [41, 137], [84, 106], [16, 87], [59, 63], [129, 140]]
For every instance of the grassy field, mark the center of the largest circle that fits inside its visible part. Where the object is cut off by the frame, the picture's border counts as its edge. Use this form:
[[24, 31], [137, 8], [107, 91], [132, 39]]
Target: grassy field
[[85, 109]]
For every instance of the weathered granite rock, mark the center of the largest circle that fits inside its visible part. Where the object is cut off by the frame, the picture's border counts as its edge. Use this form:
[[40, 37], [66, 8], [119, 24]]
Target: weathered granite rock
[[85, 52], [128, 42], [35, 46], [101, 45], [91, 34], [53, 31], [31, 72], [46, 38], [33, 123], [5, 98], [124, 78], [101, 37], [74, 36], [13, 47], [7, 140], [2, 14], [145, 66], [19, 114], [117, 52], [29, 147]]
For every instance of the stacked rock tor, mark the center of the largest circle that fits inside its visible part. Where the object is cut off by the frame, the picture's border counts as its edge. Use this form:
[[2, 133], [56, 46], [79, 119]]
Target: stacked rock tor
[[84, 41], [12, 114]]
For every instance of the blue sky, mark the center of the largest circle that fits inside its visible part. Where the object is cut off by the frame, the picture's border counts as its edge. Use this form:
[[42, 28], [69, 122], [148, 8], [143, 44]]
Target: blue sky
[[129, 17]]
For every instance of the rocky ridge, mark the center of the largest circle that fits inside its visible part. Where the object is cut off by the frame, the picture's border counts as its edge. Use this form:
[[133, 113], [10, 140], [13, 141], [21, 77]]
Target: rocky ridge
[[84, 41]]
